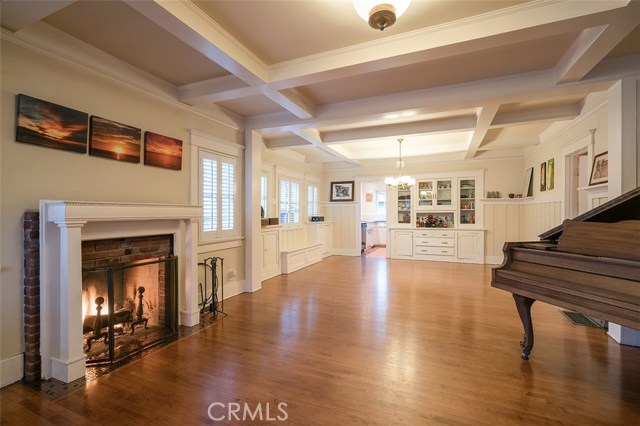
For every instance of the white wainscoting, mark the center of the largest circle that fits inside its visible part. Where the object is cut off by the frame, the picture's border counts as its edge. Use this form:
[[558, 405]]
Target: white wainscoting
[[346, 232], [510, 221]]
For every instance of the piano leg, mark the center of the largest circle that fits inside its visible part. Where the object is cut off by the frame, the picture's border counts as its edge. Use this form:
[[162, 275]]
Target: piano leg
[[523, 304]]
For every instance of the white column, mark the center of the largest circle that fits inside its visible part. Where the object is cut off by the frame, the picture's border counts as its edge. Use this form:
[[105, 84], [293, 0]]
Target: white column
[[190, 316], [253, 242], [70, 363], [623, 164]]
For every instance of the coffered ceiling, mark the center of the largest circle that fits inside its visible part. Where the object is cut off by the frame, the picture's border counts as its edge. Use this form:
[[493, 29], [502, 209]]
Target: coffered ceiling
[[463, 79]]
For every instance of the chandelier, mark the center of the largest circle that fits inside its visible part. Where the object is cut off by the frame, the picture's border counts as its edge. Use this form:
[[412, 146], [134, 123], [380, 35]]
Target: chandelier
[[380, 14], [401, 182]]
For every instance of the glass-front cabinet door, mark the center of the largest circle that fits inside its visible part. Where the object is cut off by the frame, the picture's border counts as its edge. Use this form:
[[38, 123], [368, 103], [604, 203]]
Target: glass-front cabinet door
[[404, 205], [444, 192], [426, 194], [467, 199]]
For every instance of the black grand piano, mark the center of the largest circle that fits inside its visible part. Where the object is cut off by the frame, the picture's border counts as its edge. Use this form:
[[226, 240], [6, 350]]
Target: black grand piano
[[590, 264]]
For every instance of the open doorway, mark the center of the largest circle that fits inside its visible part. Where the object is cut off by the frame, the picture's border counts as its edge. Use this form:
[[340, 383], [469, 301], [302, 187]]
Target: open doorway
[[577, 177], [373, 218]]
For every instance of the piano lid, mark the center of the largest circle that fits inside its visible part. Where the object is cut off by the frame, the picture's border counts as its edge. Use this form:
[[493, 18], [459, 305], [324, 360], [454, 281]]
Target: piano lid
[[624, 207]]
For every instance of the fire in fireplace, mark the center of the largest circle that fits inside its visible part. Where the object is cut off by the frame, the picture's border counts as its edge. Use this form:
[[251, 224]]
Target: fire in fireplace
[[130, 306]]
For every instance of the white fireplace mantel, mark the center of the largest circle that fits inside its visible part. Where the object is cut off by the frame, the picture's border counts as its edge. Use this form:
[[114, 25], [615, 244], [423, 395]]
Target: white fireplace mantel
[[63, 227]]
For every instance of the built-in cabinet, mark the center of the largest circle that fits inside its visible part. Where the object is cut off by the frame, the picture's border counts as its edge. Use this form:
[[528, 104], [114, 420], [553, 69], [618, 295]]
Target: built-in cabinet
[[439, 218], [270, 253]]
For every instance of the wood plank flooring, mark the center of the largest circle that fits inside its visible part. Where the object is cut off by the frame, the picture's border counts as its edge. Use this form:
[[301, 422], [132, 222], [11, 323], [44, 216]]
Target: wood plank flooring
[[363, 341]]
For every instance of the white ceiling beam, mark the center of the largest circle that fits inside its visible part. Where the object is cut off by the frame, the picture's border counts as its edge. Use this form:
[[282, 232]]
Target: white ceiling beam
[[534, 115], [535, 86], [293, 101], [486, 114], [510, 25], [218, 89], [313, 136], [282, 143], [191, 25], [595, 43], [412, 128]]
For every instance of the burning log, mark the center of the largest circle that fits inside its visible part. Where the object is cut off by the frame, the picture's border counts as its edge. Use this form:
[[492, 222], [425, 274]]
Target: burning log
[[95, 323]]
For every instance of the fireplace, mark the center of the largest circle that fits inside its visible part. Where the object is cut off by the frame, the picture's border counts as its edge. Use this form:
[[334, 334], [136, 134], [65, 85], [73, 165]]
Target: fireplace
[[129, 296], [63, 329]]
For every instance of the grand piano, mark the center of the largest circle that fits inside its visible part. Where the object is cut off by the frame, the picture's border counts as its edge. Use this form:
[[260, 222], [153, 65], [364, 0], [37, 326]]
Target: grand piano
[[589, 264]]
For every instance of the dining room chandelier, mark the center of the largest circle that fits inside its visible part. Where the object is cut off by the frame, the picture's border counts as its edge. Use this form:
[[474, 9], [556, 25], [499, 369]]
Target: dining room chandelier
[[380, 14], [400, 182]]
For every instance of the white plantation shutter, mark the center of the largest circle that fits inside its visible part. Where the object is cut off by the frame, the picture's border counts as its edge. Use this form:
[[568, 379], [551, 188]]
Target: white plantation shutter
[[289, 201], [285, 207], [209, 194], [312, 200], [227, 192], [218, 201], [295, 202], [264, 194]]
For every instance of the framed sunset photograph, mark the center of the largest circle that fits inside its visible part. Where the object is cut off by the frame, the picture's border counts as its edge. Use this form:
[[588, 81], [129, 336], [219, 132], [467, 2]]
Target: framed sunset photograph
[[110, 139], [162, 151], [46, 124]]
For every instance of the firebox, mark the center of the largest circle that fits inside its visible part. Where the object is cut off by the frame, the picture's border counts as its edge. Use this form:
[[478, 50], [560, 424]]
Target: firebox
[[128, 308]]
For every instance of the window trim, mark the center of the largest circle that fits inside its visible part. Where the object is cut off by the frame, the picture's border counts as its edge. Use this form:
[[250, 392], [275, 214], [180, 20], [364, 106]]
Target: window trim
[[205, 144], [290, 176]]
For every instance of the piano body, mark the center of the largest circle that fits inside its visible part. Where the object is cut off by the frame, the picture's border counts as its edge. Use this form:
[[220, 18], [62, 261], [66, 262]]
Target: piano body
[[590, 264]]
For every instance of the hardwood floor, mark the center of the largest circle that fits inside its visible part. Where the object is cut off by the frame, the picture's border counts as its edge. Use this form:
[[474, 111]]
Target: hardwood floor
[[363, 341]]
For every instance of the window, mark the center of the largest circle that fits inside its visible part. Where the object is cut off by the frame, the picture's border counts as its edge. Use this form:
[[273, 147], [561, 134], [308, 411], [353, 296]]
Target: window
[[381, 200], [264, 194], [312, 200], [289, 201], [218, 176]]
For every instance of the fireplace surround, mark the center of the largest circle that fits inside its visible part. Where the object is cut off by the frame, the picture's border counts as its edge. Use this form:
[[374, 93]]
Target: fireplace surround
[[63, 227]]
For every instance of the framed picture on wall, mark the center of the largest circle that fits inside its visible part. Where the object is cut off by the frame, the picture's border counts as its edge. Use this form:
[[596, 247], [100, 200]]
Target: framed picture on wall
[[342, 191], [550, 174], [53, 126], [600, 169], [110, 139], [162, 151], [527, 189], [543, 176]]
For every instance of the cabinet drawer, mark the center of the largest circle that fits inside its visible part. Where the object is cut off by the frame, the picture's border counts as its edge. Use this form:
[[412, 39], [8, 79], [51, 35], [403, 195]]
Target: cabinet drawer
[[438, 251], [435, 242], [424, 234], [444, 234]]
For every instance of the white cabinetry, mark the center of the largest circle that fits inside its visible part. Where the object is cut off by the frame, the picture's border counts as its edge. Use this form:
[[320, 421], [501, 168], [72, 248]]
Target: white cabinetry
[[470, 246], [447, 245], [270, 254], [435, 243], [402, 244]]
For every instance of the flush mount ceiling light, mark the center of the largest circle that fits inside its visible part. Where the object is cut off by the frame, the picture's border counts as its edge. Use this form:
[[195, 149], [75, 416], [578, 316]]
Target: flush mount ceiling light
[[401, 182], [380, 14]]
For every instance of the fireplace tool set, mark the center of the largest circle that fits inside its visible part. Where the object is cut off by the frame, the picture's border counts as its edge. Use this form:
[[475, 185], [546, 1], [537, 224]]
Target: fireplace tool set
[[209, 303]]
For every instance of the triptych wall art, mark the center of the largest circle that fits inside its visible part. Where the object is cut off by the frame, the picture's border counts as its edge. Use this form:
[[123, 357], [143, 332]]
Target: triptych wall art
[[54, 126]]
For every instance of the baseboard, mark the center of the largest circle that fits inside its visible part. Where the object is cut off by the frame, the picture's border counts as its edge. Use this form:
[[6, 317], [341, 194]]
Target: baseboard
[[345, 252], [493, 260], [11, 370], [234, 288]]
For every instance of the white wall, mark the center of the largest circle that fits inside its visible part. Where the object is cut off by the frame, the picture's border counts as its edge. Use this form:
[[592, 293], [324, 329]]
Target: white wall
[[31, 173]]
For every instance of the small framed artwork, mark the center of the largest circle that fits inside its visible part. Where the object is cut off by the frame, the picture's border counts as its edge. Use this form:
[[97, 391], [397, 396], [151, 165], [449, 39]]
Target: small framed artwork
[[342, 191], [110, 139], [550, 174], [600, 169], [162, 151], [527, 189], [368, 197], [543, 176], [53, 126]]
